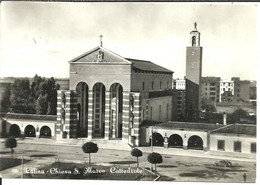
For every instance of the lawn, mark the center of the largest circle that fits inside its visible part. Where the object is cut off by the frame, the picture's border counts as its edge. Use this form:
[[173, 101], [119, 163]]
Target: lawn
[[6, 163], [60, 170]]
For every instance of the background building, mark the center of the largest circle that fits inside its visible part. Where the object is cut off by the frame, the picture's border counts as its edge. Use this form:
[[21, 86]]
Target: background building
[[179, 84], [241, 90], [226, 90], [210, 89]]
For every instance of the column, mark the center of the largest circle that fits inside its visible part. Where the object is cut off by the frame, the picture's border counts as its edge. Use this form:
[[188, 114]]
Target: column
[[71, 114], [90, 114], [125, 127], [58, 124], [137, 118], [107, 114]]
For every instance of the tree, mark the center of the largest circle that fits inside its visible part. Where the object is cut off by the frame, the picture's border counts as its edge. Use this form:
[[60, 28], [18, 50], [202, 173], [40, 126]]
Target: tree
[[42, 104], [137, 153], [89, 148], [19, 96], [11, 143], [5, 102], [236, 115], [154, 158]]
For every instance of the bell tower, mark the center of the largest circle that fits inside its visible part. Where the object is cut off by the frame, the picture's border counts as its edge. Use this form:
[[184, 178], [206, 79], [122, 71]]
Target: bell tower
[[193, 76]]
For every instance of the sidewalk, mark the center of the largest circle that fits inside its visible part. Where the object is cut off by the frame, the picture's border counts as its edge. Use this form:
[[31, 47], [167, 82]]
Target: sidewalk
[[119, 145]]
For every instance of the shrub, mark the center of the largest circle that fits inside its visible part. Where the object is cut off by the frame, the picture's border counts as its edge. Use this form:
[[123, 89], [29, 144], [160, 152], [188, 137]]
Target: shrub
[[137, 153], [89, 148], [154, 158], [11, 143]]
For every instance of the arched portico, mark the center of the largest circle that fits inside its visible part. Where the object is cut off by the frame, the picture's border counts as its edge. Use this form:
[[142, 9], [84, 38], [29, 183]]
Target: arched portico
[[29, 131], [175, 141], [195, 142], [15, 131], [99, 97], [82, 109], [116, 101], [157, 139], [45, 132]]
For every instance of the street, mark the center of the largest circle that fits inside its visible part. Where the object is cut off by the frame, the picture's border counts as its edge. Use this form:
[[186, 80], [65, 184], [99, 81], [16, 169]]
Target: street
[[174, 167]]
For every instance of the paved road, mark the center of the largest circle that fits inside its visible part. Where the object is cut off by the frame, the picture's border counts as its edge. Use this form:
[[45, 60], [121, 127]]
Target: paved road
[[175, 167]]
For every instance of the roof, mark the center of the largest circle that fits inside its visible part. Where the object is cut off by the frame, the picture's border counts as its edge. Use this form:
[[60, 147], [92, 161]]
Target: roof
[[29, 116], [237, 129], [144, 65], [141, 65], [184, 125], [95, 49]]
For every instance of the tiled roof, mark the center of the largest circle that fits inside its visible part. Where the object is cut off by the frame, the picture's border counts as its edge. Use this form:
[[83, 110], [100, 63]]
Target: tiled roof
[[29, 116], [144, 65], [184, 125], [238, 129]]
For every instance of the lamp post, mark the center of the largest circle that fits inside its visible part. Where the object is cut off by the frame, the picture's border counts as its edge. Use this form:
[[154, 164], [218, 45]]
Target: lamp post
[[22, 164]]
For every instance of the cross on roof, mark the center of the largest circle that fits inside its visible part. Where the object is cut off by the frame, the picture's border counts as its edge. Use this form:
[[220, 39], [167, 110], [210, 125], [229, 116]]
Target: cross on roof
[[101, 43]]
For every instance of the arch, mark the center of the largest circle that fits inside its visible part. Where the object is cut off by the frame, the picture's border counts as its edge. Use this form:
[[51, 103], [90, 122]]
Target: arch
[[116, 111], [45, 132], [29, 131], [175, 141], [193, 40], [157, 139], [82, 90], [195, 142], [15, 131], [99, 97]]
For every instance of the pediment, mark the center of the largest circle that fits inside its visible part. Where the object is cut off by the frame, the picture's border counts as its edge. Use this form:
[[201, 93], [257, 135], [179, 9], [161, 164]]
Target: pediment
[[99, 55]]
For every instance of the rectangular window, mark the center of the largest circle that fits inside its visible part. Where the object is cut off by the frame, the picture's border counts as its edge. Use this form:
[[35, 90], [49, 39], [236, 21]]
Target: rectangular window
[[212, 88], [221, 145], [237, 146], [151, 113], [212, 93], [212, 83], [152, 85], [253, 147], [167, 111], [143, 86], [160, 85], [160, 111], [167, 85]]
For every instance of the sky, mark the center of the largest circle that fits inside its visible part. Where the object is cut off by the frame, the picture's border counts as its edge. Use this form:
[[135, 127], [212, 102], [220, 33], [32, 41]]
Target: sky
[[40, 37]]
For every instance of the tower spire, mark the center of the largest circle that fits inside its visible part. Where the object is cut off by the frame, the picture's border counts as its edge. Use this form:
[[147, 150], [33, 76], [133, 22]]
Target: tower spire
[[101, 43], [195, 26]]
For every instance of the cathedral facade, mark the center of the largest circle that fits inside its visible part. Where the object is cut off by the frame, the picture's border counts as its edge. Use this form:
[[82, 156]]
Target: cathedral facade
[[109, 96]]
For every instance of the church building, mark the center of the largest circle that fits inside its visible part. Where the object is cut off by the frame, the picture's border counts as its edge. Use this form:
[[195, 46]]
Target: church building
[[109, 96]]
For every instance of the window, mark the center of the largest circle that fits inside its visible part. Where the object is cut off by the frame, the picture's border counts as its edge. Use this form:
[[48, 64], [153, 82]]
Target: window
[[212, 88], [167, 111], [193, 41], [143, 86], [160, 85], [160, 111], [152, 85], [253, 147], [212, 93], [229, 84], [167, 85], [221, 145], [206, 89], [212, 83], [237, 146], [151, 113]]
